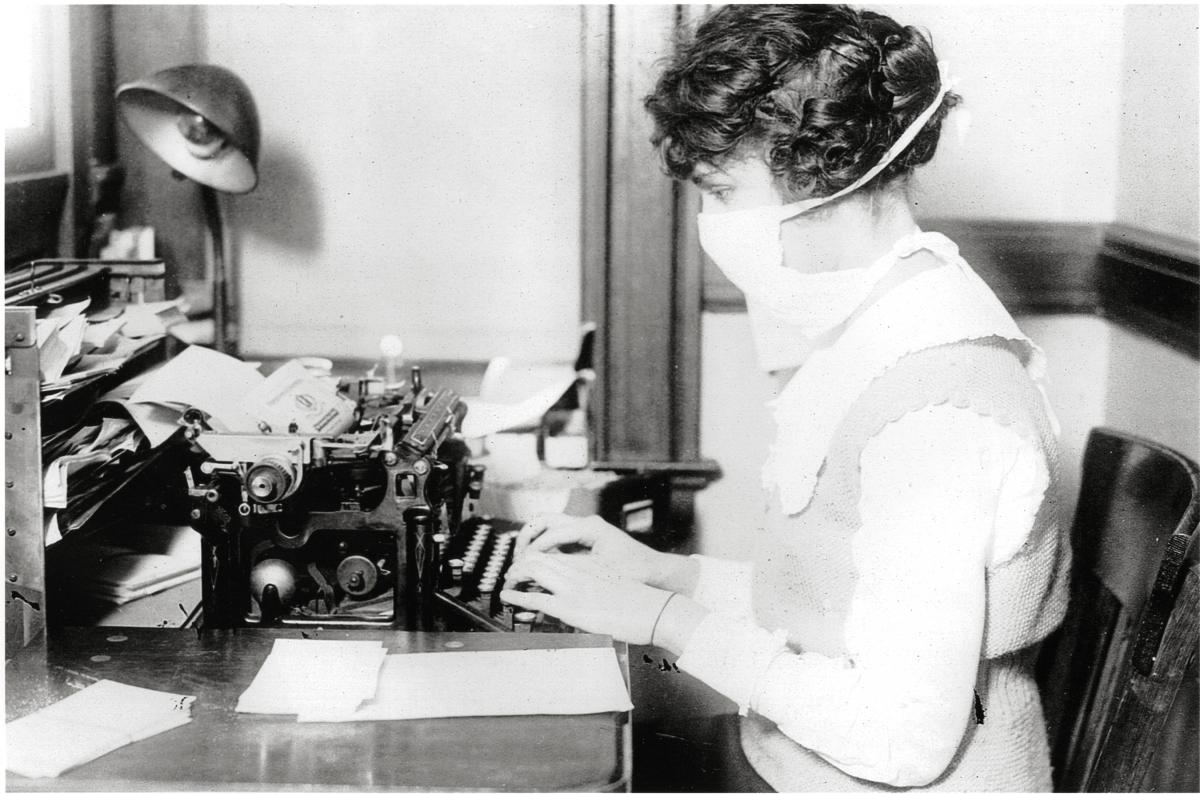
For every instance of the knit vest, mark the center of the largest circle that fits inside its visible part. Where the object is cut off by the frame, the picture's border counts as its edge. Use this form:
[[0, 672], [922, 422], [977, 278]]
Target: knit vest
[[804, 576]]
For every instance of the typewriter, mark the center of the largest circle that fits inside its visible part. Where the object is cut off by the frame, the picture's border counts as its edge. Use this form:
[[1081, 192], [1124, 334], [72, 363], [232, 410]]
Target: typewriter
[[374, 526]]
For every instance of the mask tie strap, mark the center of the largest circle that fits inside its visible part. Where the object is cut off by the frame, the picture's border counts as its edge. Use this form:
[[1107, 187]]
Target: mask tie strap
[[903, 142]]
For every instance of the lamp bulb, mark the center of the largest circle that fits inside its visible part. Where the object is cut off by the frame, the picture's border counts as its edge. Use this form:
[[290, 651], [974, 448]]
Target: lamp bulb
[[391, 346], [203, 139]]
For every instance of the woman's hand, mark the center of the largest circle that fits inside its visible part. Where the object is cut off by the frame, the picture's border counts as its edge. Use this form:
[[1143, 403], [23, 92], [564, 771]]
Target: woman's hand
[[604, 543], [589, 596]]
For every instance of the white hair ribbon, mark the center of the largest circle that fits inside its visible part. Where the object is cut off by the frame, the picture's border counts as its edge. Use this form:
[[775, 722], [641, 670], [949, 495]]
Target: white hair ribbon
[[903, 142]]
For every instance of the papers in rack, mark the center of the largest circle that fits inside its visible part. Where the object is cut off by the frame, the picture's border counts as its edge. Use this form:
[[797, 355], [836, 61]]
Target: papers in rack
[[89, 724], [351, 681]]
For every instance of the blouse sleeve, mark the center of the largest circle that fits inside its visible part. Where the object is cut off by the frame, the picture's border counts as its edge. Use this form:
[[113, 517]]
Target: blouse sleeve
[[895, 707], [723, 585]]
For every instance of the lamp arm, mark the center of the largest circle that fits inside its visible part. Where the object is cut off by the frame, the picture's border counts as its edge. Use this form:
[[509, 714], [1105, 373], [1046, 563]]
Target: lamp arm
[[216, 227]]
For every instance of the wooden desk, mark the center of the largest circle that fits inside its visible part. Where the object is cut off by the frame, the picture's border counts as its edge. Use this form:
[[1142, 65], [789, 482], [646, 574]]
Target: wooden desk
[[221, 749]]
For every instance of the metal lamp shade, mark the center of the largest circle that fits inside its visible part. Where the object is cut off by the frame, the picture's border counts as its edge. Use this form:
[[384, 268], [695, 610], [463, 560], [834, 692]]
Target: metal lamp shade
[[159, 108]]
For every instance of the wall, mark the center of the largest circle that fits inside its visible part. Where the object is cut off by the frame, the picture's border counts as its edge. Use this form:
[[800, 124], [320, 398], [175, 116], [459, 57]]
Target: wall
[[419, 176], [1160, 134], [1042, 136]]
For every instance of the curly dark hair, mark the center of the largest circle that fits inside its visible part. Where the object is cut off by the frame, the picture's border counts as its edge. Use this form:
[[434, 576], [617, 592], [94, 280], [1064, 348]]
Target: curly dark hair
[[819, 91]]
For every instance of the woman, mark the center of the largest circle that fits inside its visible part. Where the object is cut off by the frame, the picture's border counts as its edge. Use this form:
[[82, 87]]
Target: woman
[[910, 560]]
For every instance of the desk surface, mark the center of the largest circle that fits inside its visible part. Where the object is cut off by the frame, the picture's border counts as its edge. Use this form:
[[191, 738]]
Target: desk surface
[[223, 749]]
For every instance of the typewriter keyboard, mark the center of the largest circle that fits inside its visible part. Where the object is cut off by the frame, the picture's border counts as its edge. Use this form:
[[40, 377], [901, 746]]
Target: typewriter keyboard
[[474, 563]]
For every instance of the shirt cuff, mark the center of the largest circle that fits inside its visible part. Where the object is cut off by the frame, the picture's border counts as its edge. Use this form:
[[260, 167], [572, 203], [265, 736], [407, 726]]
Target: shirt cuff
[[723, 585], [731, 655]]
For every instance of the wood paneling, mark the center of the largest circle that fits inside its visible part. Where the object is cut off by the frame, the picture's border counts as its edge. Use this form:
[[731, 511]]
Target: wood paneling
[[93, 110], [641, 249], [642, 269], [597, 86]]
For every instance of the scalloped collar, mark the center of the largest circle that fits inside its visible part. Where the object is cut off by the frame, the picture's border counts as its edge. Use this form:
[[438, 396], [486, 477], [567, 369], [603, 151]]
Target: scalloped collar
[[935, 307]]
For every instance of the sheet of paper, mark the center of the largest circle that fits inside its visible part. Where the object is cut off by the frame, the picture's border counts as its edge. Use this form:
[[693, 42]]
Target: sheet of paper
[[485, 417], [325, 676], [98, 335], [149, 559], [56, 483], [202, 378], [146, 319], [158, 422], [492, 683], [58, 343], [515, 395], [292, 394], [88, 724]]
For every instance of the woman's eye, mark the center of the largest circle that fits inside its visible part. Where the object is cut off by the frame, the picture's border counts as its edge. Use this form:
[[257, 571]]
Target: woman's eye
[[721, 194]]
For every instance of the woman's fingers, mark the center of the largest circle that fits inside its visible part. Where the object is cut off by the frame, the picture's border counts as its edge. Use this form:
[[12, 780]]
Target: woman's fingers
[[531, 529], [555, 572], [560, 535], [544, 570], [533, 601], [552, 530]]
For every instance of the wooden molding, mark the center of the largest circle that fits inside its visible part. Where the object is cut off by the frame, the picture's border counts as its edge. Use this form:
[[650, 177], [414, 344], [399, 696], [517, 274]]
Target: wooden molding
[[1140, 280], [1150, 284]]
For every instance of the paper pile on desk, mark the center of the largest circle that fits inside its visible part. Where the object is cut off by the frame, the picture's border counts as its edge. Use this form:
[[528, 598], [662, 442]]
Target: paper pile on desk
[[89, 724], [492, 683], [357, 681], [314, 677]]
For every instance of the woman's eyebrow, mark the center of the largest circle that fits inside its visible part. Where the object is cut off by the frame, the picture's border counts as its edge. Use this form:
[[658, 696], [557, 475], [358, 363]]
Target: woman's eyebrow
[[704, 175]]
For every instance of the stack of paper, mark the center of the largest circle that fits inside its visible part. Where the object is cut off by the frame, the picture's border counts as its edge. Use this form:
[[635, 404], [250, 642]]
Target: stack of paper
[[305, 677], [352, 681], [492, 683], [89, 724], [148, 559]]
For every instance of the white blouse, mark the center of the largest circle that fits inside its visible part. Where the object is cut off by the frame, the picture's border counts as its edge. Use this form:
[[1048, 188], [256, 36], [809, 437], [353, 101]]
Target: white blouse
[[935, 512]]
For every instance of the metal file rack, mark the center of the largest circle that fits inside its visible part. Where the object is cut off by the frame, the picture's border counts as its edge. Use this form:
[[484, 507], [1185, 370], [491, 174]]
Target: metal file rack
[[24, 544]]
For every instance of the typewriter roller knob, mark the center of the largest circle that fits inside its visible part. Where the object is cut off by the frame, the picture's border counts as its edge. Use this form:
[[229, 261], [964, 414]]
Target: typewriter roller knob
[[270, 480], [357, 575]]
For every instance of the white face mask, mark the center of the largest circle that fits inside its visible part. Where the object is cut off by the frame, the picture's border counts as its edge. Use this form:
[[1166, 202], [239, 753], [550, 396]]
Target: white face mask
[[789, 309]]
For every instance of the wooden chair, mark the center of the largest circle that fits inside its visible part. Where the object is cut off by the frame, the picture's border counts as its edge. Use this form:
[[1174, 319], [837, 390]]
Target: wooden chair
[[1110, 674]]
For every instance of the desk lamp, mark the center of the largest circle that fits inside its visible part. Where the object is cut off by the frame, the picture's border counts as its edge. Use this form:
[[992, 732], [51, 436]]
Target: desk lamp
[[201, 120]]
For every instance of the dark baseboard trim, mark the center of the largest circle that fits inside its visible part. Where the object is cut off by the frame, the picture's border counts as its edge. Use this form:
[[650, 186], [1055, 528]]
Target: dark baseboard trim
[[1142, 281], [1150, 284]]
